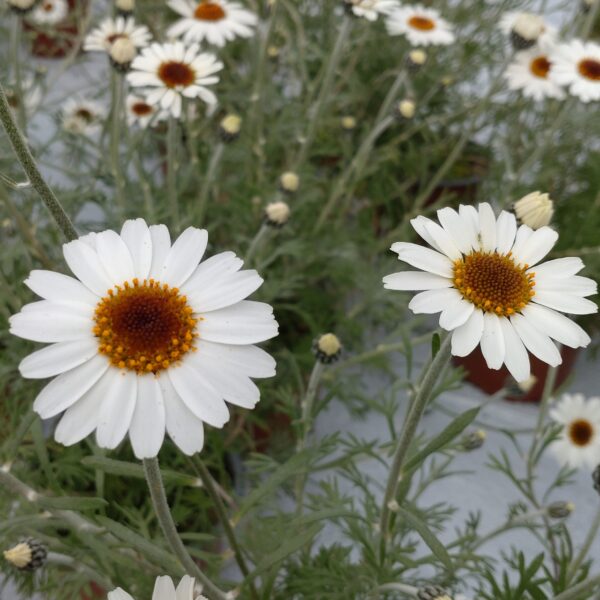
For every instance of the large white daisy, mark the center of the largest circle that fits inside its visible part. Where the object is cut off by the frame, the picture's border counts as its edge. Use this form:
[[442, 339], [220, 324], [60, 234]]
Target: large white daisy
[[529, 73], [164, 589], [483, 275], [371, 9], [214, 21], [110, 30], [50, 12], [576, 65], [422, 26], [579, 442], [145, 338], [171, 71]]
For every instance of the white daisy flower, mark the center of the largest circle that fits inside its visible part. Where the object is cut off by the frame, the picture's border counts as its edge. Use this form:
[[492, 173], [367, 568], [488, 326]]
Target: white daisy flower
[[526, 29], [82, 117], [371, 9], [576, 65], [139, 112], [214, 21], [422, 26], [110, 30], [145, 338], [529, 73], [164, 589], [579, 442], [31, 95], [50, 12], [483, 275], [174, 70]]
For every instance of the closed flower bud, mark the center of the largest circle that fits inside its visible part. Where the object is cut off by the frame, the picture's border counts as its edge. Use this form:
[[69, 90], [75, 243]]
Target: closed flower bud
[[405, 109], [121, 53], [28, 555], [277, 214], [327, 348], [560, 509], [416, 59], [125, 6], [289, 182], [348, 123], [433, 592], [447, 80], [21, 6], [527, 384], [273, 52], [596, 478], [526, 30], [473, 440], [534, 210], [229, 128]]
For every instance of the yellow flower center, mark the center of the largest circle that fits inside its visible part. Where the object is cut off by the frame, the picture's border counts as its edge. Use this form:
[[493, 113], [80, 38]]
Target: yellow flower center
[[590, 69], [209, 11], [175, 74], [144, 326], [421, 23], [540, 67], [494, 282], [581, 432]]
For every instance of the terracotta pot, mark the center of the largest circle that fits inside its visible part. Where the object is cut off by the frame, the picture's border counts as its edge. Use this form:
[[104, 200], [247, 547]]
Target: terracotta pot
[[491, 381]]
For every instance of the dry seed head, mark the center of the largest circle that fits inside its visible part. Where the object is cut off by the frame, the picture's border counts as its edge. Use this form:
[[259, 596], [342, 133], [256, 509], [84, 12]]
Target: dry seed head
[[277, 214], [535, 210], [289, 182]]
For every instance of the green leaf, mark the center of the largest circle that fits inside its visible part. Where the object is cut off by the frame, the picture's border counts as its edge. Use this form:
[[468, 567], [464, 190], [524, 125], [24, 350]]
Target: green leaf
[[436, 547], [72, 502], [454, 429], [436, 342]]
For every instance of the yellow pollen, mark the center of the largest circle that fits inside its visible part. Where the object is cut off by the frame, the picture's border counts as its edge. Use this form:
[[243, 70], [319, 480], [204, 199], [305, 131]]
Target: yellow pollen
[[494, 282], [144, 326]]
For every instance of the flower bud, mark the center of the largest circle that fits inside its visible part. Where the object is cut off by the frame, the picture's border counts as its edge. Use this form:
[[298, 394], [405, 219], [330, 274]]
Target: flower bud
[[405, 109], [433, 592], [416, 59], [527, 384], [535, 210], [273, 52], [560, 509], [289, 182], [28, 555], [122, 52], [473, 440], [125, 6], [277, 214], [229, 127], [327, 348], [348, 123], [21, 6], [526, 30]]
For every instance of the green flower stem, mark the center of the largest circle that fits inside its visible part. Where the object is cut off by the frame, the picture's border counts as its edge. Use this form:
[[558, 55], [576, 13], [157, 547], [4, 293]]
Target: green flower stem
[[583, 552], [15, 43], [211, 488], [213, 167], [576, 592], [172, 199], [163, 513], [256, 243], [317, 108], [386, 105], [115, 139], [62, 560], [31, 170], [145, 185], [409, 429], [588, 25], [403, 588]]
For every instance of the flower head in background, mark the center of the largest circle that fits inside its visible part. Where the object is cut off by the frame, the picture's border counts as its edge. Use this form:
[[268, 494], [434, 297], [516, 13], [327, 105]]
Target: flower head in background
[[579, 442], [145, 338], [82, 117], [139, 112], [102, 38], [31, 93], [526, 29], [421, 26], [171, 71], [28, 555], [530, 73], [576, 66], [21, 7], [371, 9], [483, 274], [214, 21], [164, 589], [50, 12]]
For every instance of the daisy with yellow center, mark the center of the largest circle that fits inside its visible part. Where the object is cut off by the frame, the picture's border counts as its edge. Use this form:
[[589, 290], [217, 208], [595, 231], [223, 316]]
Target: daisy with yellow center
[[579, 442], [577, 67], [147, 338], [483, 275], [214, 21], [172, 71], [420, 25], [81, 116], [102, 38]]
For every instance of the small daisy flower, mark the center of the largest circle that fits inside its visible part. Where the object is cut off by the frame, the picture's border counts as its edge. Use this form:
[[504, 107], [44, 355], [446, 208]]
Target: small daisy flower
[[526, 29], [50, 12], [529, 73], [579, 443], [577, 66], [31, 96], [164, 589], [371, 9], [214, 21], [485, 276], [110, 30], [421, 26], [139, 112], [82, 117], [146, 338], [172, 71]]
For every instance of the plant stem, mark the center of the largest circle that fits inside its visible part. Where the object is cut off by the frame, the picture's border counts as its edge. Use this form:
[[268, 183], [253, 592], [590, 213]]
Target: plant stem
[[211, 488], [31, 170], [391, 96], [15, 43], [575, 592], [163, 513], [587, 544], [213, 165], [255, 243], [115, 138], [409, 429], [173, 201]]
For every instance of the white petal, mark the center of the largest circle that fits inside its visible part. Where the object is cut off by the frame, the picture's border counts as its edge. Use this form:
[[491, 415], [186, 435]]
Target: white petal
[[456, 313], [470, 219], [225, 291], [523, 234], [537, 246], [559, 267], [443, 240], [557, 326], [251, 360], [119, 594], [574, 305], [147, 429], [466, 337], [424, 258], [492, 341], [87, 267], [136, 235], [114, 256], [198, 394], [67, 388], [538, 343], [575, 285], [487, 227], [163, 589], [432, 301], [516, 358], [415, 280], [59, 288], [185, 589], [184, 428], [463, 236], [36, 326], [420, 226], [161, 245], [506, 230], [184, 256], [117, 409], [58, 358], [211, 269]]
